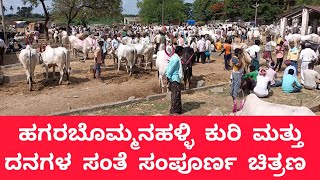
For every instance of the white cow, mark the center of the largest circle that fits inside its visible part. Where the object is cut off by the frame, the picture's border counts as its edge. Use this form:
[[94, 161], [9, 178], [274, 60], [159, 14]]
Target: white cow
[[83, 46], [63, 38], [59, 57], [28, 58], [162, 62], [144, 51], [254, 106], [129, 53]]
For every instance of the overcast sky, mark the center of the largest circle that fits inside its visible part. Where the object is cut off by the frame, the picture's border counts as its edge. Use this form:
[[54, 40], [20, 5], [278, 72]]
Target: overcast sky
[[129, 6]]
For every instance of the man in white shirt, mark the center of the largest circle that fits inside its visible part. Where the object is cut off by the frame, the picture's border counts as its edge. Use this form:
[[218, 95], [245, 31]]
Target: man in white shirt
[[208, 49], [2, 49], [263, 84], [307, 55], [202, 48], [254, 52], [311, 78]]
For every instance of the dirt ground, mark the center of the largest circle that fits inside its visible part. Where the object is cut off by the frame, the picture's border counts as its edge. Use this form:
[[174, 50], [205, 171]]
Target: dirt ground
[[86, 91]]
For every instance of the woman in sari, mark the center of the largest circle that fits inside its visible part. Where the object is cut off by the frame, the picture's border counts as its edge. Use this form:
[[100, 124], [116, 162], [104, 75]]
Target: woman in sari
[[174, 74]]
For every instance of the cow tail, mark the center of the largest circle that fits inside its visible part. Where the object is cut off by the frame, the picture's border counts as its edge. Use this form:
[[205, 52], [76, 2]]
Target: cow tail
[[30, 65]]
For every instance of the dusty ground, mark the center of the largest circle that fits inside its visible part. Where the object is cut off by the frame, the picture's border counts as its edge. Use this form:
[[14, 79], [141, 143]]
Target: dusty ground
[[86, 91], [203, 103]]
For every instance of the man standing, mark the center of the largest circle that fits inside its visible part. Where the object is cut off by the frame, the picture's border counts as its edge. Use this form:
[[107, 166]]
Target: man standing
[[114, 45], [2, 49], [293, 55], [307, 55], [254, 52], [208, 49], [202, 48], [227, 54]]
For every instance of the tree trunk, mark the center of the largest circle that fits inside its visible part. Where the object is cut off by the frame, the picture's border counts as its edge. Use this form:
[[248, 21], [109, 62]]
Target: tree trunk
[[46, 33]]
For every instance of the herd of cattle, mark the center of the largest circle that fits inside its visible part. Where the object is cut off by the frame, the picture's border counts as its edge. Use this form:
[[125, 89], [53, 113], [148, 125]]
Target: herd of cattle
[[131, 52]]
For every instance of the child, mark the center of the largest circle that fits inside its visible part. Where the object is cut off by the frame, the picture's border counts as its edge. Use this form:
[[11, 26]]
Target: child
[[237, 73], [280, 54], [98, 61]]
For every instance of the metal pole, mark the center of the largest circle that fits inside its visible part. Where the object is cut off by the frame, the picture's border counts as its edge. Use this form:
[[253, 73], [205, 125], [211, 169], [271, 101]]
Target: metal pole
[[162, 12], [255, 19], [3, 25]]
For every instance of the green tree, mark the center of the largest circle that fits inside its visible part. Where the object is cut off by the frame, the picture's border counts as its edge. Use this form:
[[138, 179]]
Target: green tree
[[268, 9], [25, 12], [35, 3], [151, 10], [201, 9], [83, 10]]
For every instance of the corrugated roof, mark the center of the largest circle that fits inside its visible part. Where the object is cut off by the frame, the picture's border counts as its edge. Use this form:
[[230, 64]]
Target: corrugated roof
[[297, 10]]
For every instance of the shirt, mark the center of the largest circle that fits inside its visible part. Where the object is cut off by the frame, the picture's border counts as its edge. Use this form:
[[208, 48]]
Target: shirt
[[98, 55], [288, 82], [268, 46], [261, 89], [2, 44], [293, 54], [115, 43], [253, 75], [194, 46], [208, 46], [279, 52], [174, 69], [236, 66], [310, 77], [201, 46], [286, 71], [253, 50], [227, 48], [272, 75], [218, 46], [307, 55]]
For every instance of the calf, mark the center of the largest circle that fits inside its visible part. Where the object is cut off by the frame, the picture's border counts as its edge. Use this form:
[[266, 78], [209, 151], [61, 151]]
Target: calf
[[28, 58], [53, 57]]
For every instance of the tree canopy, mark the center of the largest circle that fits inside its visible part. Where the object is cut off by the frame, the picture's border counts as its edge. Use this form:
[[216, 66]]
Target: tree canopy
[[84, 10], [151, 11]]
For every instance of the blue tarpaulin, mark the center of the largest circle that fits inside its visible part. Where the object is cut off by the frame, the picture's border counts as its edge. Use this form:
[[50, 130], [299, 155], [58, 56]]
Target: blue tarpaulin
[[191, 22]]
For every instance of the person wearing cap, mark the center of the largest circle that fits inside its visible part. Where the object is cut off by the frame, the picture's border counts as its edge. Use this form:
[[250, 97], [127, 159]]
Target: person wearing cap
[[293, 55], [307, 55], [272, 75], [289, 66], [263, 84], [290, 84]]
